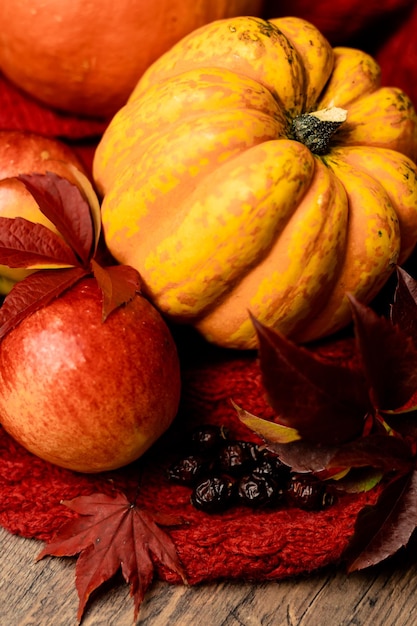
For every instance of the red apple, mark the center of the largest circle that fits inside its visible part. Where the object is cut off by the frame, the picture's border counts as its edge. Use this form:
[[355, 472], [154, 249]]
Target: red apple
[[84, 394], [26, 153]]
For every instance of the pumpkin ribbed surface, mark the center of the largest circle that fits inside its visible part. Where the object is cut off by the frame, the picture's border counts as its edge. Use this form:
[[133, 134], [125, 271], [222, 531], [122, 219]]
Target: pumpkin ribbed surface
[[209, 193]]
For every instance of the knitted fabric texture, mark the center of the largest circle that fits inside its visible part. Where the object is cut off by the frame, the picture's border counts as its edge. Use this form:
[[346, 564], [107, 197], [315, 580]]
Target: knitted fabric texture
[[239, 544]]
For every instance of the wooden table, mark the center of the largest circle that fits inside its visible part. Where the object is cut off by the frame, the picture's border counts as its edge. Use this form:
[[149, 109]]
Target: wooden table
[[43, 594]]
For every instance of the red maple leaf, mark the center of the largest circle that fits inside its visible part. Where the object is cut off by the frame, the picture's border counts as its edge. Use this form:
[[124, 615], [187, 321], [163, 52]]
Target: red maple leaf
[[109, 534]]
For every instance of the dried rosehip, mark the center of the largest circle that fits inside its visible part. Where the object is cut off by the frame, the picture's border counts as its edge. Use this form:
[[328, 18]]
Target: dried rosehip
[[308, 493], [257, 490], [213, 494], [235, 458], [223, 471], [208, 437], [269, 464], [188, 469], [252, 450]]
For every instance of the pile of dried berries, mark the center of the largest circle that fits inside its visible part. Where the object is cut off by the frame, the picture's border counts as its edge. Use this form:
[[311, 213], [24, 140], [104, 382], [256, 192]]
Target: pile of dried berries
[[223, 472]]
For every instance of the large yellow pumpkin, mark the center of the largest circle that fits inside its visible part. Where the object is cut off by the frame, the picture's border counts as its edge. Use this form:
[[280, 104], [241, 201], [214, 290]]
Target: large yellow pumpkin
[[85, 56], [216, 189]]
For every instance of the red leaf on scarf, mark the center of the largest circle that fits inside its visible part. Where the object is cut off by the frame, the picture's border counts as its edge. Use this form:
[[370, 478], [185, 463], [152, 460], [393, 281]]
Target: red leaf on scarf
[[112, 533], [307, 393], [403, 311], [327, 403], [389, 358], [382, 529]]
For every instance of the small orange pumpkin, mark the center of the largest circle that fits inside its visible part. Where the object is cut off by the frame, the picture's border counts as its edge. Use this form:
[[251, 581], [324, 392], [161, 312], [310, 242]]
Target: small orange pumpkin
[[86, 57], [257, 169]]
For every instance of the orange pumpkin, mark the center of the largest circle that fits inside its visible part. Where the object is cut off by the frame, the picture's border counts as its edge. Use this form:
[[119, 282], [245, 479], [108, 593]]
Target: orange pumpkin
[[257, 169], [86, 57]]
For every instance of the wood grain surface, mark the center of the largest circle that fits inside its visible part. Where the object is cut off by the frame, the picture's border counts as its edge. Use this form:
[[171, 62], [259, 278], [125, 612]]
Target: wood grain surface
[[43, 594]]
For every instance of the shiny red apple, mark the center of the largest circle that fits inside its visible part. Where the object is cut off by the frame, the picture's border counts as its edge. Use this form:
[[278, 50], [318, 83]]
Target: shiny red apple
[[84, 394]]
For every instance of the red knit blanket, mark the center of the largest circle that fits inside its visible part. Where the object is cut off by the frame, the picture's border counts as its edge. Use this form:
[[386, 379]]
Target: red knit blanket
[[238, 544]]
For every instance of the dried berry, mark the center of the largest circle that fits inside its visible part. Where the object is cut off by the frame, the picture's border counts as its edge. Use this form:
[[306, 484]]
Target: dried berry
[[235, 458], [308, 493], [213, 494], [223, 471], [270, 465], [188, 469], [207, 438], [256, 490], [252, 450]]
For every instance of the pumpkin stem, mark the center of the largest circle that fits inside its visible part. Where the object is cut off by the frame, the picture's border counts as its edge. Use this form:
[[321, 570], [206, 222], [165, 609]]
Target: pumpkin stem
[[316, 129]]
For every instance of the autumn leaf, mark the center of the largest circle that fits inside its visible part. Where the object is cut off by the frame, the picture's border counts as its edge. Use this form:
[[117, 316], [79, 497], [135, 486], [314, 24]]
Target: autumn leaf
[[377, 450], [88, 190], [34, 292], [60, 261], [118, 284], [327, 403], [24, 244], [385, 527], [324, 402], [273, 432], [403, 311], [112, 533], [389, 358], [65, 206]]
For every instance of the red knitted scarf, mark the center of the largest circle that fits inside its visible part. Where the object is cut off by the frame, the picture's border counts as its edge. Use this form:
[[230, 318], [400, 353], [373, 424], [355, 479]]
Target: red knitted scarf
[[238, 544]]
